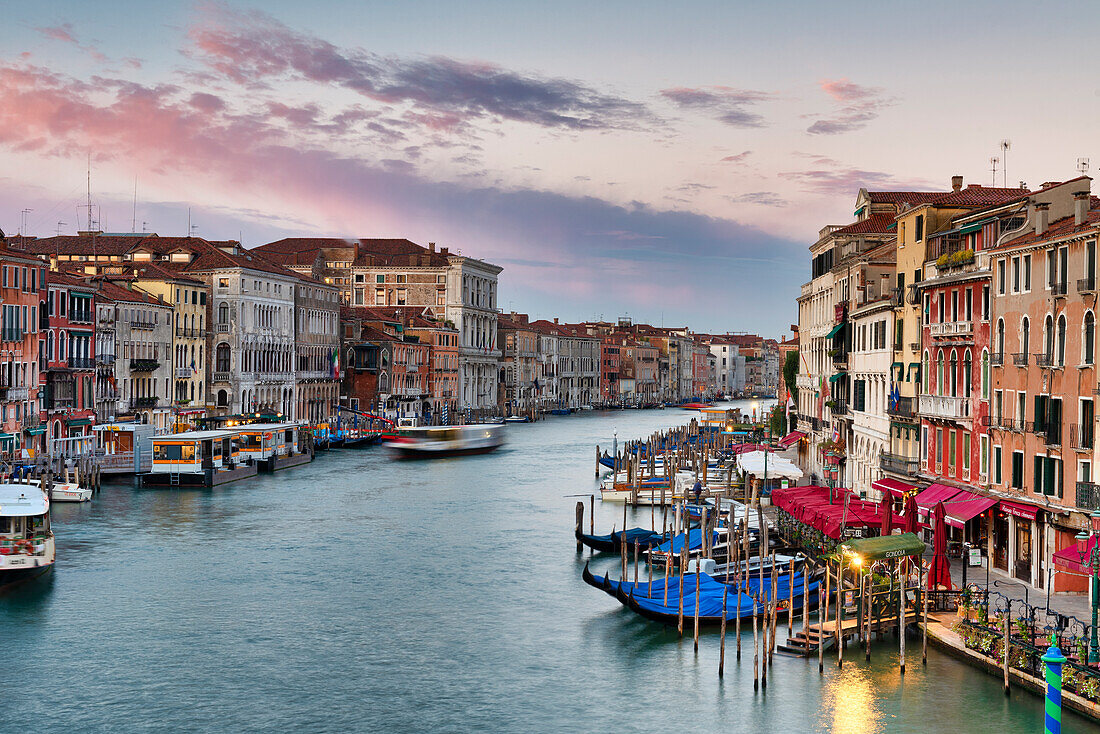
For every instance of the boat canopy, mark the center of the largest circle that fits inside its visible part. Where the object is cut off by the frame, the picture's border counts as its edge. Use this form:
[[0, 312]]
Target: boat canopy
[[752, 462], [22, 500], [885, 546], [193, 436]]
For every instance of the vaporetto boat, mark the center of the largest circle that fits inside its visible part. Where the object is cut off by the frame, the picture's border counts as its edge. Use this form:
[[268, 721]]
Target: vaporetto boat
[[26, 538], [439, 441]]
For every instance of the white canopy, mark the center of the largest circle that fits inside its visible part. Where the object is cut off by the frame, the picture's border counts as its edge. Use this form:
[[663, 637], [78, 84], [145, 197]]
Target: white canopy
[[22, 500], [752, 462]]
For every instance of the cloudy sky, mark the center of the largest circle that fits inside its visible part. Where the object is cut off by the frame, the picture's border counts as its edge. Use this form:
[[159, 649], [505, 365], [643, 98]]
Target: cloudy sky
[[670, 161]]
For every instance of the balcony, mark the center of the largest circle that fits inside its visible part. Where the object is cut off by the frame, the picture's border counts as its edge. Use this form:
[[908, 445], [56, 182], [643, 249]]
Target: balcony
[[897, 464], [1086, 285], [104, 360], [221, 377], [904, 408], [840, 356], [837, 407], [945, 407], [143, 365], [182, 373], [142, 325], [183, 331], [18, 393], [104, 395], [1081, 436], [1044, 360], [81, 363], [951, 329], [1088, 496], [222, 328], [997, 359], [11, 335], [146, 402], [1058, 290], [80, 317], [914, 346], [1019, 359]]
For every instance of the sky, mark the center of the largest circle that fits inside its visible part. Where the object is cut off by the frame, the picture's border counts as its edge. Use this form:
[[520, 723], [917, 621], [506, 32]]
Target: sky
[[671, 162]]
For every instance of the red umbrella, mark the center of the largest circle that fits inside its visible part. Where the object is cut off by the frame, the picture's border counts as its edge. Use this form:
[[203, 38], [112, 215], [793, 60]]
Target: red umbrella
[[912, 523], [887, 511], [940, 573]]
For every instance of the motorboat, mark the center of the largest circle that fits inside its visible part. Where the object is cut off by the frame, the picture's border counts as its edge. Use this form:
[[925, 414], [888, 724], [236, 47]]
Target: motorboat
[[440, 441], [70, 492], [26, 538], [517, 419]]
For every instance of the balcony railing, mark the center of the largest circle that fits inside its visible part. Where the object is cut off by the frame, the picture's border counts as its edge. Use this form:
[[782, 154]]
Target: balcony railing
[[188, 331], [952, 328], [81, 363], [905, 408], [11, 335], [146, 325], [80, 317], [899, 464], [19, 393], [1086, 285], [838, 407], [223, 328], [944, 406], [1059, 289], [914, 346], [997, 359], [143, 365], [145, 402], [104, 395], [104, 359], [1081, 436], [221, 377], [1019, 359], [1088, 496], [183, 373], [1043, 360]]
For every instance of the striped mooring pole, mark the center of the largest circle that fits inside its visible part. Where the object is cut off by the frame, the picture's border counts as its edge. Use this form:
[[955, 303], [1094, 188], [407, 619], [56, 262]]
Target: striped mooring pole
[[1054, 660]]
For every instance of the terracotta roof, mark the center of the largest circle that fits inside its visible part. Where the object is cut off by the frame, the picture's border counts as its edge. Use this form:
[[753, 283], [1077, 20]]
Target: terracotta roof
[[1056, 229], [975, 195], [56, 277], [142, 270], [82, 244], [902, 197], [363, 252], [874, 224]]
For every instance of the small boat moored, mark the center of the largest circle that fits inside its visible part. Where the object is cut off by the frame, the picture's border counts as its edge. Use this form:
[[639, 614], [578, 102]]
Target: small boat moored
[[439, 441], [69, 492]]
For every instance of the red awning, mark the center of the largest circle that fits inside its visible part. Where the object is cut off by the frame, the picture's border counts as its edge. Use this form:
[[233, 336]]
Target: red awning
[[791, 438], [1069, 558], [966, 506], [892, 484], [934, 494], [1019, 509]]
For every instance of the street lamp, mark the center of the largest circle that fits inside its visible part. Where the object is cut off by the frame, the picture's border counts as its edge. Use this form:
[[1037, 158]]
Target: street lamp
[[1094, 564]]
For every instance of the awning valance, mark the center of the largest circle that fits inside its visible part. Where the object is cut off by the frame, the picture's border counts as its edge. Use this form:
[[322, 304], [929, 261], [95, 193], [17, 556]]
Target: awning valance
[[835, 330], [965, 506], [76, 422], [837, 376], [935, 493], [1019, 509], [36, 431]]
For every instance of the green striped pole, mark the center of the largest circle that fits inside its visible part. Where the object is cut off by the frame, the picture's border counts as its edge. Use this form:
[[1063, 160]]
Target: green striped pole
[[1054, 660]]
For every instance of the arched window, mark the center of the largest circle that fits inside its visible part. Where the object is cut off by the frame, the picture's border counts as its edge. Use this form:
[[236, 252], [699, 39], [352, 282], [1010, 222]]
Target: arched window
[[1061, 340], [223, 399], [1089, 339], [1048, 339], [924, 372], [968, 374], [985, 375], [223, 361], [1025, 338], [954, 365], [939, 375], [1000, 343]]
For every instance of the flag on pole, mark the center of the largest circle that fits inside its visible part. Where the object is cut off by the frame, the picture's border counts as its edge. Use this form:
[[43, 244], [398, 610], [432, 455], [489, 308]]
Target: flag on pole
[[335, 359], [194, 369]]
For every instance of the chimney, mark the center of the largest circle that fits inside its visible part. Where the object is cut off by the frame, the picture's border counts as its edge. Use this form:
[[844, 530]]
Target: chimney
[[1042, 214], [444, 251], [555, 319], [1080, 207], [431, 247], [956, 183]]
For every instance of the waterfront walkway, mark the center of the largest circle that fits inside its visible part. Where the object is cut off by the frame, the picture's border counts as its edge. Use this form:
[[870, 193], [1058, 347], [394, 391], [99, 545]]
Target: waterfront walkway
[[1077, 605]]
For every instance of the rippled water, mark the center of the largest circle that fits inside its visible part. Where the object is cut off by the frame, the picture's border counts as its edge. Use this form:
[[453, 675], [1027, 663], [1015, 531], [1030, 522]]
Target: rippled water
[[363, 594]]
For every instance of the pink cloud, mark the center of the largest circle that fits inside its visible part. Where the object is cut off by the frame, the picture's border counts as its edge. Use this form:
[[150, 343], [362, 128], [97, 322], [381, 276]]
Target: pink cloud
[[859, 105], [63, 33]]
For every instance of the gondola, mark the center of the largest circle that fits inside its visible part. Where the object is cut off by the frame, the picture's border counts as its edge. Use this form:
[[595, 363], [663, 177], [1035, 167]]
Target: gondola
[[645, 539]]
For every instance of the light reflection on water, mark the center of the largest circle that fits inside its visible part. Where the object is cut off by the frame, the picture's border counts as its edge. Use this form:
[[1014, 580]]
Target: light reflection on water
[[361, 594]]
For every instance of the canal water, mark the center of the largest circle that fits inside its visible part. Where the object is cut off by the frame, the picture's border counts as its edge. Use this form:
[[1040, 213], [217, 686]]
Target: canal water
[[363, 594]]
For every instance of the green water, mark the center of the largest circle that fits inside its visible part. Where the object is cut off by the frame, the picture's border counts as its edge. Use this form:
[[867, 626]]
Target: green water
[[363, 594]]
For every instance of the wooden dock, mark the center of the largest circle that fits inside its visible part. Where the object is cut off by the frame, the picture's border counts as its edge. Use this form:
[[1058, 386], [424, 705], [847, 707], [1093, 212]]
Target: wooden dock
[[805, 642]]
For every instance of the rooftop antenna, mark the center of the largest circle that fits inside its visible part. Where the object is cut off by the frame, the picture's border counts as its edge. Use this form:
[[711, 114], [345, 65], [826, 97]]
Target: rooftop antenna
[[1083, 166], [59, 226], [1006, 145], [133, 220], [144, 225], [188, 221], [23, 222], [89, 204], [993, 164]]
